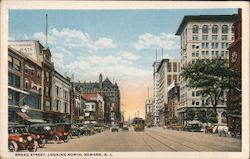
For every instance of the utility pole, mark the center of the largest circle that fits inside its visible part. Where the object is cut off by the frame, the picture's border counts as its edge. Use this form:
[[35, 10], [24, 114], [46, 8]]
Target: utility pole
[[46, 30]]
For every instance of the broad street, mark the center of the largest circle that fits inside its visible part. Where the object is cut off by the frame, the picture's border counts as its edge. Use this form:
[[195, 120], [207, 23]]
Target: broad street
[[152, 139]]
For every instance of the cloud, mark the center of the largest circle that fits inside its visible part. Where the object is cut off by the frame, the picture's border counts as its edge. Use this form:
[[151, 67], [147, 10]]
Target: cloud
[[119, 66], [164, 40], [72, 38], [104, 43]]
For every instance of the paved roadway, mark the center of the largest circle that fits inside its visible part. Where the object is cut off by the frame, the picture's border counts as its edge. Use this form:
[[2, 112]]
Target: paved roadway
[[152, 139]]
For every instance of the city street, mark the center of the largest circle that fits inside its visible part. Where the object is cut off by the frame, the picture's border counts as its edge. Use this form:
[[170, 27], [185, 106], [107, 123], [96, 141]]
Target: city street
[[152, 139]]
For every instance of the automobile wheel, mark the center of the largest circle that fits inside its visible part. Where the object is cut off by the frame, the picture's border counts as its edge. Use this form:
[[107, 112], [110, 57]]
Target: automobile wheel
[[66, 139], [13, 147], [70, 135], [42, 142], [34, 149], [55, 139]]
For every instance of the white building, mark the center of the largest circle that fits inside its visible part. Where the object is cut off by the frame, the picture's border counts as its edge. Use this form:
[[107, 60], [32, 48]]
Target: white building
[[165, 73], [61, 93], [149, 110], [203, 36]]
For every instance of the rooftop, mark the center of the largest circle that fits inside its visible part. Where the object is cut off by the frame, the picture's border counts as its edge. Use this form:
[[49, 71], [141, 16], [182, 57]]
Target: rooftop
[[204, 18]]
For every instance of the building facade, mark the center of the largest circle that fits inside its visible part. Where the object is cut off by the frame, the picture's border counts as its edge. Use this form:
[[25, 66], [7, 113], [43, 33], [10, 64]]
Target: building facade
[[156, 92], [203, 36], [173, 103], [149, 111], [111, 93], [235, 95], [61, 103], [167, 72], [98, 99]]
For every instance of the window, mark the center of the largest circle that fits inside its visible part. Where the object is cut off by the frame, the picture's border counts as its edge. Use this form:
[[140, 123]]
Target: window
[[207, 53], [57, 105], [26, 84], [193, 54], [33, 100], [215, 45], [10, 61], [169, 67], [57, 91], [17, 65], [195, 37], [38, 74], [195, 28], [169, 79], [65, 107], [47, 105], [47, 91], [65, 95], [197, 103], [193, 93], [175, 78], [14, 80], [193, 102], [175, 67], [205, 45], [13, 97], [204, 29], [223, 45], [224, 29], [214, 37], [215, 29], [224, 37], [193, 61], [47, 78], [222, 53], [203, 53], [32, 71], [204, 37], [197, 54]]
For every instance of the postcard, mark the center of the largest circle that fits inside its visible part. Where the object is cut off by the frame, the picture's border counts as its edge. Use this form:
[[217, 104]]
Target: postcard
[[124, 79]]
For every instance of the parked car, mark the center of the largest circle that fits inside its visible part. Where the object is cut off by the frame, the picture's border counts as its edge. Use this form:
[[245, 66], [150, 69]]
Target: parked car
[[75, 131], [84, 130], [194, 127], [20, 139], [125, 128], [50, 132], [115, 128]]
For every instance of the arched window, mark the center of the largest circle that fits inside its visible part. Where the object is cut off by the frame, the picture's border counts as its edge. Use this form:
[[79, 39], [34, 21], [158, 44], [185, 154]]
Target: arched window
[[224, 29], [195, 28], [204, 29], [215, 29]]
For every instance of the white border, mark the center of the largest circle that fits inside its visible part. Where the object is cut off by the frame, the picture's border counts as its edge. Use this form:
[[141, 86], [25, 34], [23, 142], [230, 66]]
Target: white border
[[27, 4]]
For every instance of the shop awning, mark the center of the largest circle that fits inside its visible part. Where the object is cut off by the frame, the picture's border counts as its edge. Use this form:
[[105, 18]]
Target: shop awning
[[23, 115], [36, 120], [18, 90]]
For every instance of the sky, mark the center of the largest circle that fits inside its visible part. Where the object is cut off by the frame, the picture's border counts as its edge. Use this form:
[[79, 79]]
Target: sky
[[120, 44]]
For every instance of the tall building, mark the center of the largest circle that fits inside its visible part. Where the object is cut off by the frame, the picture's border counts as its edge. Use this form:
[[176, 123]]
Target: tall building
[[202, 36], [111, 93], [156, 90], [149, 110], [166, 72]]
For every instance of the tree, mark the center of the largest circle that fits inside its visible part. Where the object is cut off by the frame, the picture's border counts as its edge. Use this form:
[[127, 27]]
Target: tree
[[190, 114], [213, 77]]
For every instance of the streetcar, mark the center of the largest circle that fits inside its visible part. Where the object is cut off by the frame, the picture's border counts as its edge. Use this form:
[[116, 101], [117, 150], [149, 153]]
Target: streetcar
[[138, 124]]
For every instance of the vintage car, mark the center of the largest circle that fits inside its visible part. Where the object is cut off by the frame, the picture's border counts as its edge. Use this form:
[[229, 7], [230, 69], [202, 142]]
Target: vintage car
[[115, 128], [125, 128], [84, 130], [74, 130], [49, 132], [20, 139]]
